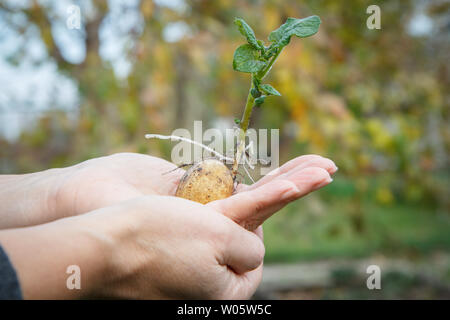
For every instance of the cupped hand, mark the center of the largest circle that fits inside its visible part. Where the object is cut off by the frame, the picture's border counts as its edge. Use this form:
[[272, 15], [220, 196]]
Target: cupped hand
[[171, 247], [105, 181], [150, 247], [108, 180], [252, 205], [203, 240]]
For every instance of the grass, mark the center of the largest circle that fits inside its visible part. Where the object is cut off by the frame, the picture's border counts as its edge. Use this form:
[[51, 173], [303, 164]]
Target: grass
[[332, 224]]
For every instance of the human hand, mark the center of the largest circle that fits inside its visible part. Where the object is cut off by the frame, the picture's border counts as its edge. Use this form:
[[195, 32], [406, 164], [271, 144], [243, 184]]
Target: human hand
[[36, 198], [253, 204], [249, 208], [107, 180], [148, 247], [104, 181]]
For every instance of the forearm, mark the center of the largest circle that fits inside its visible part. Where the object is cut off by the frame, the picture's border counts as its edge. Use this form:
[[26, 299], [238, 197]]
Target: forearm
[[42, 254], [29, 199]]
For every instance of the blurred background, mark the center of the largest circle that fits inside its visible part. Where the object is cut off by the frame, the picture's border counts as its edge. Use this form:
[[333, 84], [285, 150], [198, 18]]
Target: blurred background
[[374, 101]]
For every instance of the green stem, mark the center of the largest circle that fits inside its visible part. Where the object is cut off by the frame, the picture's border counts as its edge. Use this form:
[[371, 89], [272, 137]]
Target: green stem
[[245, 121], [260, 75]]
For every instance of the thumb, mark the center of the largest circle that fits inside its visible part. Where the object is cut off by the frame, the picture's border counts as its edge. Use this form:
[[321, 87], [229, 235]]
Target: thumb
[[251, 208]]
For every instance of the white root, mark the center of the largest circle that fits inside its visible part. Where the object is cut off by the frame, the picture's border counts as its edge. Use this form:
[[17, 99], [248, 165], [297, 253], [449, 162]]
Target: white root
[[217, 154], [248, 173], [247, 161], [178, 138]]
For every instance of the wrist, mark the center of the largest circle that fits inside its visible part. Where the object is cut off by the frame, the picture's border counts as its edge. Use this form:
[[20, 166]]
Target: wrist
[[96, 247], [114, 231], [45, 190], [56, 200], [42, 255], [30, 199], [125, 252]]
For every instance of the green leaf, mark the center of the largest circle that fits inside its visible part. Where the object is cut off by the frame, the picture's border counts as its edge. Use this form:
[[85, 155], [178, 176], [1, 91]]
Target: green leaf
[[269, 90], [246, 59], [237, 121], [247, 32], [259, 101], [302, 28], [255, 93]]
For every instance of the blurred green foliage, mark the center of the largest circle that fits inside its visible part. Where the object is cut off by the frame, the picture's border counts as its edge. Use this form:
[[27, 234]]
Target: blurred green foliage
[[374, 101]]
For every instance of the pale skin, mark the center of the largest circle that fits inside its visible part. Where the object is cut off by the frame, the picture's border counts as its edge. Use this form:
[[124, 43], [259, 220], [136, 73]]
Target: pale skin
[[117, 219]]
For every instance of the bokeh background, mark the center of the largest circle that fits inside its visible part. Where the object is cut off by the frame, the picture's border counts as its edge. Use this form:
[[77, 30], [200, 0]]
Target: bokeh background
[[374, 101]]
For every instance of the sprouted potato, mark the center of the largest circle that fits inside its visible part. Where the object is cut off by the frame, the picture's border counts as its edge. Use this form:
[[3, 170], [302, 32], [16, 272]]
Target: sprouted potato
[[206, 181], [210, 180]]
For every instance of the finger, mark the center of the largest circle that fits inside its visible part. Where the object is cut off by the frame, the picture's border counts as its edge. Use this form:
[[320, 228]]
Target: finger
[[259, 232], [243, 251], [296, 164], [245, 285], [251, 208]]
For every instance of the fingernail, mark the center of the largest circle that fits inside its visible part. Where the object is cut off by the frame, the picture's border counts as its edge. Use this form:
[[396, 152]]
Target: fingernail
[[335, 168], [290, 193], [324, 183]]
